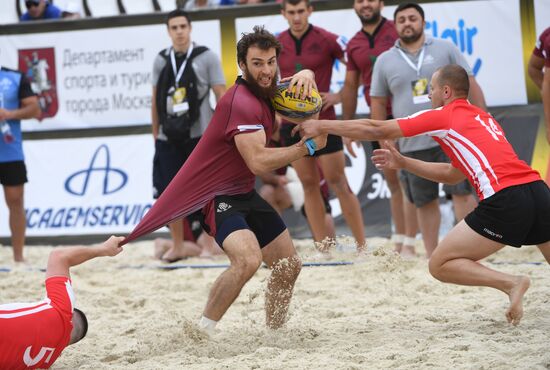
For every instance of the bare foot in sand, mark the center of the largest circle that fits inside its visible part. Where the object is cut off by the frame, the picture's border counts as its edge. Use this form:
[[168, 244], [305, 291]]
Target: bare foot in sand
[[174, 254], [515, 311], [408, 252], [398, 248], [161, 246]]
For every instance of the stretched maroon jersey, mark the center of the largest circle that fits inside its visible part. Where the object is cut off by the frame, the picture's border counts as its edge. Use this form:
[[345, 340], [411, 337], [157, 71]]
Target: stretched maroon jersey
[[542, 47], [215, 167], [363, 49], [475, 143], [317, 50], [33, 335]]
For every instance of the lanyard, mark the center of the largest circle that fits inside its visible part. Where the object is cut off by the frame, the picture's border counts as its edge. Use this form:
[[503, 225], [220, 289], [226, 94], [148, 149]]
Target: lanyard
[[420, 60], [182, 67]]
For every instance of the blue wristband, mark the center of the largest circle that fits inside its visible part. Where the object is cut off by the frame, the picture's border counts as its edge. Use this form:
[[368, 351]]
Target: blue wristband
[[311, 146]]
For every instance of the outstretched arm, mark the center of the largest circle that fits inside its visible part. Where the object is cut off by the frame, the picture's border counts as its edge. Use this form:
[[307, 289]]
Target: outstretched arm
[[389, 157], [62, 259], [359, 129]]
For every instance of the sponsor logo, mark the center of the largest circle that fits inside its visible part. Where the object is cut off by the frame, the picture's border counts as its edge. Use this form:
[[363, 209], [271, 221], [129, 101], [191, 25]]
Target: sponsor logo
[[463, 36], [222, 207], [39, 67], [113, 179], [95, 207], [492, 233]]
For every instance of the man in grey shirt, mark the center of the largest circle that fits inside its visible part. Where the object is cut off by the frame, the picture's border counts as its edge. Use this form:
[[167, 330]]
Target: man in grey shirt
[[403, 73], [174, 83]]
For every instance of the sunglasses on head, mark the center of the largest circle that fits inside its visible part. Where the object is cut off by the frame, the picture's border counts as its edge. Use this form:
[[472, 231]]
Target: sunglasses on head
[[30, 4]]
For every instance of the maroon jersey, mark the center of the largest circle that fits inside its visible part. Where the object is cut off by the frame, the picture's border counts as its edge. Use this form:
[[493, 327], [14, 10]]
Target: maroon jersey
[[364, 48], [215, 167], [542, 48], [317, 50]]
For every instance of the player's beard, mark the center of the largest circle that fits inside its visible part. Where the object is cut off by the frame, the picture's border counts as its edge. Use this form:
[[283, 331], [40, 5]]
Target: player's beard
[[260, 91], [373, 19]]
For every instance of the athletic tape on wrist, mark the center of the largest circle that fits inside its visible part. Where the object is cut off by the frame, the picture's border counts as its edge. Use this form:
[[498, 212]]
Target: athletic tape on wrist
[[311, 146]]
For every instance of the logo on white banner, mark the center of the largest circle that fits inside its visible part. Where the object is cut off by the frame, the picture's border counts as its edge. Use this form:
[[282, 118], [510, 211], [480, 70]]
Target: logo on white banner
[[114, 179]]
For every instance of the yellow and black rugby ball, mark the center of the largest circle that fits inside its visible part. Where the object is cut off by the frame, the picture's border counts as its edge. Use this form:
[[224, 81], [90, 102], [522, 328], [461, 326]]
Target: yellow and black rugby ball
[[293, 107]]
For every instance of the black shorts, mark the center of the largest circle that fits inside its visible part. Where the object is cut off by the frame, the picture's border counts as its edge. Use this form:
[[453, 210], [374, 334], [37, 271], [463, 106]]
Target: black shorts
[[246, 211], [334, 143], [422, 191], [516, 216], [13, 173], [167, 162]]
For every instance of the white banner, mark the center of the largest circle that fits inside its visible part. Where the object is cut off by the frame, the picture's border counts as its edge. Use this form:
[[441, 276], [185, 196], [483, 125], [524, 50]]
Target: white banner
[[475, 27], [86, 186], [95, 78], [542, 15]]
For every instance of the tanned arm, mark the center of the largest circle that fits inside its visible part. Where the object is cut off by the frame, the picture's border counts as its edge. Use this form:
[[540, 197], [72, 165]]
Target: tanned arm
[[62, 259]]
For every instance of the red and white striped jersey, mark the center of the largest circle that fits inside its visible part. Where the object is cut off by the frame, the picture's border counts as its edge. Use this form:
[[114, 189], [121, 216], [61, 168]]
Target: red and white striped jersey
[[475, 143], [33, 335]]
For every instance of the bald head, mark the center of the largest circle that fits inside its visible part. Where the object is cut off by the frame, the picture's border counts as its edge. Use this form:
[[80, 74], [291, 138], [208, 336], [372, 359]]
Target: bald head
[[455, 77]]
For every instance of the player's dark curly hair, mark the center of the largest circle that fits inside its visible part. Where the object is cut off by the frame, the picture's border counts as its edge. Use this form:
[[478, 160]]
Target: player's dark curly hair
[[260, 38]]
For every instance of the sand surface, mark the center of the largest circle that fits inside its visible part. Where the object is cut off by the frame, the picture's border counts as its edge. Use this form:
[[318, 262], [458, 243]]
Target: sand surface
[[383, 312]]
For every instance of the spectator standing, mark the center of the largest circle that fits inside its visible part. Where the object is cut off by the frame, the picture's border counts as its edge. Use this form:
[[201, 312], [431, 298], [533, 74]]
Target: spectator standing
[[312, 47], [377, 35], [402, 74], [17, 102], [183, 75]]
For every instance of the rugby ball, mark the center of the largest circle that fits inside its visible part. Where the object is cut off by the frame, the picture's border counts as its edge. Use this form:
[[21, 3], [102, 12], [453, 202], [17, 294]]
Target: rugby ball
[[293, 107]]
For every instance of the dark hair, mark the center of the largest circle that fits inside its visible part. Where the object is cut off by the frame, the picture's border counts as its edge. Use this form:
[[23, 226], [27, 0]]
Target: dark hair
[[404, 6], [260, 38], [455, 77], [81, 327], [178, 13], [294, 2]]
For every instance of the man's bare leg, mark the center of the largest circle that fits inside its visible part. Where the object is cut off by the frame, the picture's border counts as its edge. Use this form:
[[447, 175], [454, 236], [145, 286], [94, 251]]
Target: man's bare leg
[[179, 249], [396, 205], [208, 245], [245, 258], [333, 166], [280, 256], [161, 246], [306, 169], [14, 196], [545, 250], [411, 228], [456, 261], [462, 205], [429, 219]]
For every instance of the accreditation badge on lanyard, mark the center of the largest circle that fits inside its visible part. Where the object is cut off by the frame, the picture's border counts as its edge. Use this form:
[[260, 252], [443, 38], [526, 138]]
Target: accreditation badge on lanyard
[[419, 86], [177, 96]]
